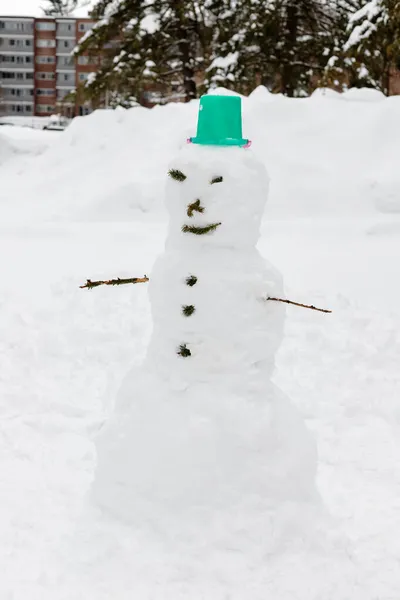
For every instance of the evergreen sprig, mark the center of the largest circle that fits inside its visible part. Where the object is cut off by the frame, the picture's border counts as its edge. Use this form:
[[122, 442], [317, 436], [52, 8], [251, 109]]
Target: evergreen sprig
[[216, 180], [177, 175], [188, 310], [191, 280], [200, 230], [184, 351], [194, 207]]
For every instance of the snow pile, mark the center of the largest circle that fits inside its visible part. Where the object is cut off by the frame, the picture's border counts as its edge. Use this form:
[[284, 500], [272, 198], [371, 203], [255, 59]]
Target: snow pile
[[29, 122], [65, 351], [384, 179], [324, 155], [15, 141]]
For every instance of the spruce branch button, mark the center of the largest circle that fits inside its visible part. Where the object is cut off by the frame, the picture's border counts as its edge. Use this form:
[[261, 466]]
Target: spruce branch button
[[184, 351], [191, 280], [188, 310]]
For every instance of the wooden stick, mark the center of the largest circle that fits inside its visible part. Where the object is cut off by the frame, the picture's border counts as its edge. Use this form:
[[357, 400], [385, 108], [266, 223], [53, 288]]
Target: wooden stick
[[92, 284], [311, 307]]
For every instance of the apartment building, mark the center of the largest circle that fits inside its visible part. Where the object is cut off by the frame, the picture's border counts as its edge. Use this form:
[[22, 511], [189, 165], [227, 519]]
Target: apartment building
[[37, 70]]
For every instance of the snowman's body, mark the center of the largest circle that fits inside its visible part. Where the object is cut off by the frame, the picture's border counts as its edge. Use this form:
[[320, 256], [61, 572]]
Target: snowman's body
[[233, 333], [200, 429]]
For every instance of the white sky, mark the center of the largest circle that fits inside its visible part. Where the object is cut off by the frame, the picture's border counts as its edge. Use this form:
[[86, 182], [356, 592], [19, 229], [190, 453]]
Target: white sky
[[29, 8]]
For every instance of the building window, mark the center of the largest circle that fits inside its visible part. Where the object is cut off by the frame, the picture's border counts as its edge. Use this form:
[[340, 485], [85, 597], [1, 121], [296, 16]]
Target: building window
[[45, 43], [44, 60], [18, 26], [83, 76], [85, 26], [44, 108], [67, 29], [45, 92], [83, 60], [45, 26], [13, 75], [65, 61], [28, 43], [45, 76]]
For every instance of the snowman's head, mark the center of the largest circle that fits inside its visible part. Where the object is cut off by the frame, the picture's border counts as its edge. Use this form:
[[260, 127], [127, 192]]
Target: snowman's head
[[216, 196]]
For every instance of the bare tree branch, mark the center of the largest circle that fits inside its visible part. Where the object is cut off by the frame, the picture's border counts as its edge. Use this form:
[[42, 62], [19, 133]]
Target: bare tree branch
[[92, 284], [310, 306]]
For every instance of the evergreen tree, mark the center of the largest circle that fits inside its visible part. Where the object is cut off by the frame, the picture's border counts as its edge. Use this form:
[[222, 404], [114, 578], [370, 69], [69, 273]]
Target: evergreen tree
[[161, 46], [283, 44], [371, 47]]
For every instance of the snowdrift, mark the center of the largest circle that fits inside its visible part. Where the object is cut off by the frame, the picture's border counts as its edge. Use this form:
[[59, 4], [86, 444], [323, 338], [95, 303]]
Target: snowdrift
[[16, 141], [329, 154], [65, 351]]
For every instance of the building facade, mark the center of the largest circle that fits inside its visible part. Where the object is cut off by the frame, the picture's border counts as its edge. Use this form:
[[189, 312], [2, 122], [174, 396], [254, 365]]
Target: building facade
[[37, 70]]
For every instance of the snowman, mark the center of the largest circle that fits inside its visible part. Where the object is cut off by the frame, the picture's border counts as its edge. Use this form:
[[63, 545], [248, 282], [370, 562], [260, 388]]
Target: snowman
[[201, 444]]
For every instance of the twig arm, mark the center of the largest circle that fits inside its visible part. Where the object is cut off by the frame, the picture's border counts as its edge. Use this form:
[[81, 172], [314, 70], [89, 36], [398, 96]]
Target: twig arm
[[310, 306], [92, 284]]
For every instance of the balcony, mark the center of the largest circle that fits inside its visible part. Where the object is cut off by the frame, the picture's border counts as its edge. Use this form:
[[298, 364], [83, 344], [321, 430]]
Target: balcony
[[14, 46], [16, 28], [65, 63], [17, 95], [66, 31], [10, 79]]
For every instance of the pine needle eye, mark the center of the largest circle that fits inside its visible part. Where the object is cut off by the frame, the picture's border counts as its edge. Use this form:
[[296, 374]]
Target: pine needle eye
[[177, 175], [216, 180]]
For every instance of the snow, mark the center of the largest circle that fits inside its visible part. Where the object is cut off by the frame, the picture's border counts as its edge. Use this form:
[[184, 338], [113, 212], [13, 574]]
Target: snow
[[17, 141], [88, 203]]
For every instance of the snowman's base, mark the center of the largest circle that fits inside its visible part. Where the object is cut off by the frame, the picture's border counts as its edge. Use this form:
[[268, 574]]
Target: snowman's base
[[190, 462]]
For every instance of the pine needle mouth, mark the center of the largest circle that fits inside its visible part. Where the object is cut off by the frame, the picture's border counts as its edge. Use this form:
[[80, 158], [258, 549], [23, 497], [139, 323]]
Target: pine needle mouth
[[200, 230]]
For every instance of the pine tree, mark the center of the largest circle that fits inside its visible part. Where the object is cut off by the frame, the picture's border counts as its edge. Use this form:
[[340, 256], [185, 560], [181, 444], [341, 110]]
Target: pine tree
[[371, 47], [283, 44], [158, 48], [339, 72]]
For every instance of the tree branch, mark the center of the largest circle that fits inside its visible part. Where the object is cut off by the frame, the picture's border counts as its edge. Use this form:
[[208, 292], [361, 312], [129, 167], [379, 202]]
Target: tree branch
[[310, 306], [92, 284]]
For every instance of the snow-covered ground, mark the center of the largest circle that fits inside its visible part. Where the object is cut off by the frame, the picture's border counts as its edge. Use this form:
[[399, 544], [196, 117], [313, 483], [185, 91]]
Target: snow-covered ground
[[88, 203]]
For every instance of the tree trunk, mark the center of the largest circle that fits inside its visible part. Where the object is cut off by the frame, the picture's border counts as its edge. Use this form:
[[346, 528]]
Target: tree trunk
[[292, 23], [189, 84]]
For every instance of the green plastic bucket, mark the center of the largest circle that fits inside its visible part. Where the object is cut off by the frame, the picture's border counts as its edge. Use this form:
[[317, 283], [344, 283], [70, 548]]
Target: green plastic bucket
[[220, 122]]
